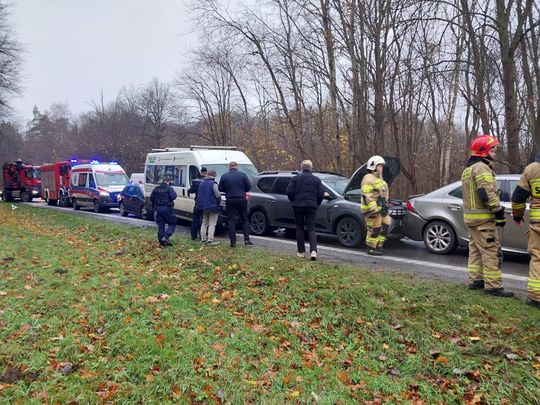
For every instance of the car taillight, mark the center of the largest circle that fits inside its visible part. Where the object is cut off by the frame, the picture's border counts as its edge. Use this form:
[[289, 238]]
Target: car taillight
[[409, 206]]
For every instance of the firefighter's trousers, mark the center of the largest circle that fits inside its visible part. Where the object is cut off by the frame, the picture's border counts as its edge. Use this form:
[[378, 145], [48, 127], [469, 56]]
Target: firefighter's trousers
[[484, 255], [533, 284], [376, 229]]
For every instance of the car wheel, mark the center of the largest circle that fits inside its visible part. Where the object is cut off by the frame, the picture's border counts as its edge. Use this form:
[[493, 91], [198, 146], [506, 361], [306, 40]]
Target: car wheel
[[145, 213], [97, 208], [259, 223], [440, 238], [122, 209], [74, 204], [349, 232], [7, 196], [26, 196]]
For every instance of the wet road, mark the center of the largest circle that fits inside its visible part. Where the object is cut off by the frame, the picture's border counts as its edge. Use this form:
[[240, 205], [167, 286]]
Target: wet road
[[401, 255]]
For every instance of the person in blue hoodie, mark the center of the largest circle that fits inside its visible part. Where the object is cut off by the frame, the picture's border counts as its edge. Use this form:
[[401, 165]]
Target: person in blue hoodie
[[209, 201]]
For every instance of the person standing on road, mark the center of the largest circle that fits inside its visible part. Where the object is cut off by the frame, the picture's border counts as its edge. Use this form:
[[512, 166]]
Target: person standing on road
[[482, 213], [162, 198], [209, 199], [197, 212], [374, 208], [529, 186], [306, 192], [235, 184]]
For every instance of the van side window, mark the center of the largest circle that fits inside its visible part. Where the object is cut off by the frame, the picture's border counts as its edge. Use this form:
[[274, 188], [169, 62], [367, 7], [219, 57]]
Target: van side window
[[149, 174], [91, 182], [180, 173], [82, 179], [193, 173]]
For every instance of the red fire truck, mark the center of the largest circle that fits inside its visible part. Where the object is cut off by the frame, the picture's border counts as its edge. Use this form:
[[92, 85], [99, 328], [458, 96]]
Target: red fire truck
[[55, 180], [20, 180]]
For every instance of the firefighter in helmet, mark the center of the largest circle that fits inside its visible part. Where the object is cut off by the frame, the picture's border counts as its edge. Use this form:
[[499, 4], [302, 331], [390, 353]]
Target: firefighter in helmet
[[374, 208], [162, 198], [482, 213], [529, 186]]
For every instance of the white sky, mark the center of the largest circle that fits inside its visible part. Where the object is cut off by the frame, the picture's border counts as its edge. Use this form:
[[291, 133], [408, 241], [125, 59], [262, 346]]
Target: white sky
[[75, 48]]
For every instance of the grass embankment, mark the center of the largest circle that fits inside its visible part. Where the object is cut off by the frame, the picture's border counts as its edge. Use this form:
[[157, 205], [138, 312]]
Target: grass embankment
[[92, 311]]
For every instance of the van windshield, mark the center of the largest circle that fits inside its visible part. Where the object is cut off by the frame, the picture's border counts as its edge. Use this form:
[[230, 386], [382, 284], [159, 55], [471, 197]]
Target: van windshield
[[221, 169], [111, 179]]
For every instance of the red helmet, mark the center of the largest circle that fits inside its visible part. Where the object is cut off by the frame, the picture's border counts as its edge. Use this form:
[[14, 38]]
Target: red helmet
[[481, 145]]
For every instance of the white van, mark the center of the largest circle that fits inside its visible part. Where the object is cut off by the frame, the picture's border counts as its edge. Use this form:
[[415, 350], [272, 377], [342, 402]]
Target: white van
[[96, 185], [183, 165], [137, 178]]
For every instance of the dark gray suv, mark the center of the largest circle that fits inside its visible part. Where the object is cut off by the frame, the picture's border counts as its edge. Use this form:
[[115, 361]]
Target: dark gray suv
[[339, 214]]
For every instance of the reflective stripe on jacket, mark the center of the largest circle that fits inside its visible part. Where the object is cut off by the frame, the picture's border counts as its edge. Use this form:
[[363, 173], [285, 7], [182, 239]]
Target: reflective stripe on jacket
[[475, 176], [530, 183], [373, 187]]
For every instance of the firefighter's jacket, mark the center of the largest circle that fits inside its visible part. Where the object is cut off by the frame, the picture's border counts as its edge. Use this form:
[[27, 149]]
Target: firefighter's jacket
[[480, 192], [373, 187], [528, 185]]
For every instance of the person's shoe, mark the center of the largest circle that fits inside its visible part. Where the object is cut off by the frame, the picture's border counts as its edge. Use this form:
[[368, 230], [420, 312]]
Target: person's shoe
[[534, 303], [313, 255], [476, 285], [374, 252], [248, 243], [194, 238], [161, 243], [380, 249], [213, 243], [499, 292], [233, 245], [165, 240], [301, 254], [203, 240]]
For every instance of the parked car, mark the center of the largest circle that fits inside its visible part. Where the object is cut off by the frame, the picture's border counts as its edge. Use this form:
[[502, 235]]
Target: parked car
[[437, 218], [339, 214], [131, 201], [137, 178]]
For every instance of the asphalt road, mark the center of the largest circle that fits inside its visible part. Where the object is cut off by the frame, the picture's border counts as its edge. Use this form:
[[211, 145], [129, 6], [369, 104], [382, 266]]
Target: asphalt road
[[401, 256]]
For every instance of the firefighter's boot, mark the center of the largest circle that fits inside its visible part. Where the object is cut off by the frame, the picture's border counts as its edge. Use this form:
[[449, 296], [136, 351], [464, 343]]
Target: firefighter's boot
[[499, 292], [533, 303], [375, 252], [476, 285]]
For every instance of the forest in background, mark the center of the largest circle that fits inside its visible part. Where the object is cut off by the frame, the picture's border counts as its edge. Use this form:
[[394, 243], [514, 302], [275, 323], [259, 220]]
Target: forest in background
[[335, 81]]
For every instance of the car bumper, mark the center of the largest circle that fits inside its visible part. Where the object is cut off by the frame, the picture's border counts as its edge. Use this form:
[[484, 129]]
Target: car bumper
[[396, 230], [107, 202], [413, 225]]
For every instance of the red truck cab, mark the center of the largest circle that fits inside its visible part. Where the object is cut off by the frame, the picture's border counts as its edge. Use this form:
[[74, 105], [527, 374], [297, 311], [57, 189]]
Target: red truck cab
[[55, 182], [20, 180]]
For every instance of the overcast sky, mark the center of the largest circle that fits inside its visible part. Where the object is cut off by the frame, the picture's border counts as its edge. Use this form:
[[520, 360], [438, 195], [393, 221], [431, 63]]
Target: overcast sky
[[75, 48]]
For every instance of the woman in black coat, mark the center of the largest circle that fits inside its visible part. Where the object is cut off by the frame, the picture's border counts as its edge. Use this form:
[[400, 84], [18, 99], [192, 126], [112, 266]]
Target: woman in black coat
[[306, 192]]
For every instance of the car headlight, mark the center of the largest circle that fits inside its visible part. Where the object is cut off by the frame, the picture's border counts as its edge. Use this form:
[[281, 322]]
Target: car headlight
[[104, 193], [35, 192]]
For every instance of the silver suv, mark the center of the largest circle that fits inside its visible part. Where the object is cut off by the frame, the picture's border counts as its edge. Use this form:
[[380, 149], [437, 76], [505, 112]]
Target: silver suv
[[339, 214]]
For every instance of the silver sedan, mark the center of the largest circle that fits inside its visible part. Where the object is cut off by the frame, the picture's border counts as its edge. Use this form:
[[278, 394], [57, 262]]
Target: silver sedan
[[437, 218]]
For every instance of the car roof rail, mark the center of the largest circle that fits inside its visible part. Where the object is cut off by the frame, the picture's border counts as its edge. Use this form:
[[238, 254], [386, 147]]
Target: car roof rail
[[325, 172], [169, 149], [193, 147], [277, 172]]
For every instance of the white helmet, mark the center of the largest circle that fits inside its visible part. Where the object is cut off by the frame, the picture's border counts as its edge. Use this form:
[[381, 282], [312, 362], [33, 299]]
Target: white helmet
[[374, 161]]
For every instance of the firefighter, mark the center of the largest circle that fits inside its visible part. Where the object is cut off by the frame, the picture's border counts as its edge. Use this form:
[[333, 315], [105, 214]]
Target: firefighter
[[482, 213], [374, 209], [529, 185], [162, 198]]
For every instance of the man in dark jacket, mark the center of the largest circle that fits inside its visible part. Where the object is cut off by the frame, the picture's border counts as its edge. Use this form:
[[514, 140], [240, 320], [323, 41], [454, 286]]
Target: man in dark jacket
[[306, 192], [162, 198], [197, 212], [235, 184]]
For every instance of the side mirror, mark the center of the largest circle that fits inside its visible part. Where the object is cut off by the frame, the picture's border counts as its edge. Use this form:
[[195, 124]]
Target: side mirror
[[328, 196]]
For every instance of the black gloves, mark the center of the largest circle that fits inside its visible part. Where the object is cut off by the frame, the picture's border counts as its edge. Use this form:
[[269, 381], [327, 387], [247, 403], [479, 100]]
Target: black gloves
[[500, 220], [381, 202]]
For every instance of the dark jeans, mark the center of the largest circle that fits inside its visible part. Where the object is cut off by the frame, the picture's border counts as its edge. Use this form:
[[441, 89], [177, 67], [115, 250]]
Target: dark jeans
[[305, 217], [165, 216], [196, 224], [237, 206]]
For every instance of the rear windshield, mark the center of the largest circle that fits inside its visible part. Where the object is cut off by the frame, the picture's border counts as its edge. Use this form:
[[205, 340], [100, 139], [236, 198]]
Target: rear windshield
[[221, 169], [111, 179], [335, 181]]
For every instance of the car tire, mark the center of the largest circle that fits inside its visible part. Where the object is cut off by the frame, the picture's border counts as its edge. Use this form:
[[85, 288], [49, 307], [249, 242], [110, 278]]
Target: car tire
[[440, 238], [74, 204], [26, 196], [7, 196], [122, 209], [258, 223], [146, 214], [349, 232], [97, 208], [48, 199]]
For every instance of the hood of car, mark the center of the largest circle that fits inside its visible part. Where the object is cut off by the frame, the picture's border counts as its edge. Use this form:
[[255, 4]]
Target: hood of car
[[391, 170]]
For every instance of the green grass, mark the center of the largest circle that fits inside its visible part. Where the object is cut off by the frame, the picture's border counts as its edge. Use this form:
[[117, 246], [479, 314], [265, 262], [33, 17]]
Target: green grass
[[93, 312]]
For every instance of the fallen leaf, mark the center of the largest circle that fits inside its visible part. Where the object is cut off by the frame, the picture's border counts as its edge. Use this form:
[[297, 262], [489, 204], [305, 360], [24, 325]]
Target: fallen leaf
[[315, 397], [442, 360], [511, 356], [382, 357], [159, 339], [474, 338]]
